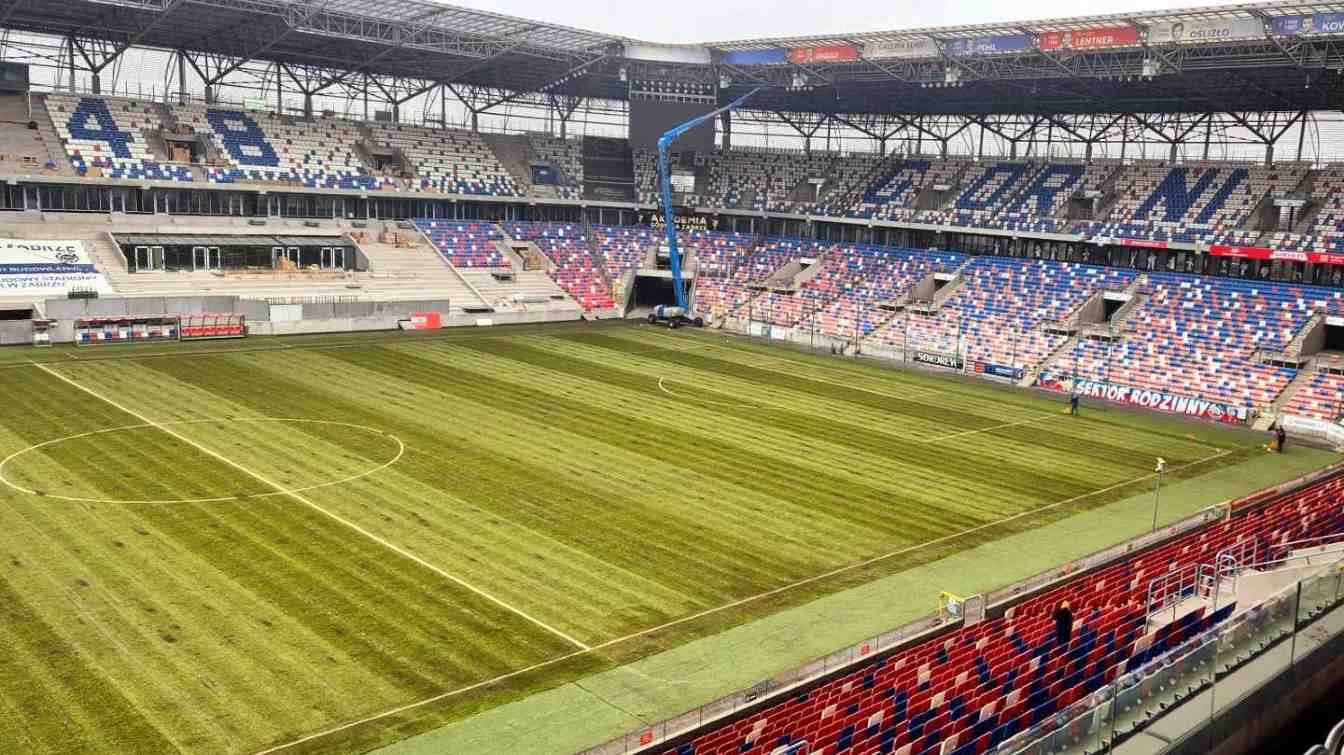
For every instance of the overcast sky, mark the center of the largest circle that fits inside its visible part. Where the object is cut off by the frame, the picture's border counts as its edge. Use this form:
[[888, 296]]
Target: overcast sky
[[716, 20]]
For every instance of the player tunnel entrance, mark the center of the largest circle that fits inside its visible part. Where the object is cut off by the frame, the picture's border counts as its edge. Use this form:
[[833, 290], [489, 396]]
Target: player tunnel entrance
[[652, 291]]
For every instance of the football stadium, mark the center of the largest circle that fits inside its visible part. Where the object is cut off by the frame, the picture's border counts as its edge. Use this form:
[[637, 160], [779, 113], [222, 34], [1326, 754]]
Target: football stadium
[[387, 376]]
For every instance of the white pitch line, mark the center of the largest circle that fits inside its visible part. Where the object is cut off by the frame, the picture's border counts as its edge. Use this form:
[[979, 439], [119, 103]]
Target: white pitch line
[[996, 427], [704, 400], [709, 611], [333, 516]]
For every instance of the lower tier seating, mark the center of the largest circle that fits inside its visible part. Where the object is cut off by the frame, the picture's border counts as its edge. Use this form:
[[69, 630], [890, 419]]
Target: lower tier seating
[[969, 690], [573, 266]]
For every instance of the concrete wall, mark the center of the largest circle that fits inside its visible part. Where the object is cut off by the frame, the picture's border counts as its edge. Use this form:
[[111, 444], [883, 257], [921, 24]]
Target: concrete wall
[[16, 333], [1314, 340]]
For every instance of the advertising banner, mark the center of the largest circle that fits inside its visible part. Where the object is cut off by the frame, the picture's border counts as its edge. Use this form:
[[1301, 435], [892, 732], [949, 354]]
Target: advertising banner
[[1326, 23], [997, 370], [1205, 30], [1316, 429], [1090, 39], [901, 48], [1144, 243], [1264, 253], [950, 361], [823, 54], [989, 45], [1289, 26], [41, 268], [756, 57], [1145, 397], [668, 53]]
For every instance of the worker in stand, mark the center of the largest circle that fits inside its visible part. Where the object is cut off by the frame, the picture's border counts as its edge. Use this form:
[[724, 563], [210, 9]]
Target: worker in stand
[[1063, 617]]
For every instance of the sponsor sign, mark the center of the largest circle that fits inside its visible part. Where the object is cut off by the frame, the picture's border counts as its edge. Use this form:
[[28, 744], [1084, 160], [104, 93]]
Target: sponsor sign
[[1145, 243], [901, 48], [989, 45], [997, 370], [1090, 39], [1326, 23], [47, 268], [950, 361], [823, 54], [1147, 398], [668, 53], [1196, 31], [1289, 26], [426, 320], [1263, 253], [756, 57], [1317, 429]]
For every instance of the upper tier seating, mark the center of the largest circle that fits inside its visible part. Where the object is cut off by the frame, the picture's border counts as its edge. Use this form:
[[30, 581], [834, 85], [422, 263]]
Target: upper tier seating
[[574, 268], [1189, 203], [757, 180], [1196, 337], [967, 691], [111, 137], [449, 160], [318, 153], [565, 154], [892, 196], [983, 195], [466, 243], [1047, 193], [1326, 230]]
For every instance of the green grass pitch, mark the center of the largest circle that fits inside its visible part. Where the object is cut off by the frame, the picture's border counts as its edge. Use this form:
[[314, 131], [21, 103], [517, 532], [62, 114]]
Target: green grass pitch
[[229, 547]]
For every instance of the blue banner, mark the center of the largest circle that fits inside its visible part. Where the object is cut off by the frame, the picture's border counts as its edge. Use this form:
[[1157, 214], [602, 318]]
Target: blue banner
[[998, 370], [1289, 26], [989, 45], [1327, 23], [756, 57], [1317, 23], [42, 268]]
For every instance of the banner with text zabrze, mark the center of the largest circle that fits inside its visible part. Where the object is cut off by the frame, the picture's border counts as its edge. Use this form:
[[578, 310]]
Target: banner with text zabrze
[[1145, 397], [32, 267]]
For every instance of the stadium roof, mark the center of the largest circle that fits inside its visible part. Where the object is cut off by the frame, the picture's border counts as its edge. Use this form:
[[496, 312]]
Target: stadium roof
[[1075, 23], [429, 42]]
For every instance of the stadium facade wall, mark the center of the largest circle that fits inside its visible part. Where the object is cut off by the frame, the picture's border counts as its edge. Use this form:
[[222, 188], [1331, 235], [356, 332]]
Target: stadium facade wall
[[16, 333]]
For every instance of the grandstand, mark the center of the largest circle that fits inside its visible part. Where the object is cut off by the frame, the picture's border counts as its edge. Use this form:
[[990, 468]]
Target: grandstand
[[836, 520]]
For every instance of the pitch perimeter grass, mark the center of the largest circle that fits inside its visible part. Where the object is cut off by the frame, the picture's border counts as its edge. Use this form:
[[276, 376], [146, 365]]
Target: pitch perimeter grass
[[585, 496]]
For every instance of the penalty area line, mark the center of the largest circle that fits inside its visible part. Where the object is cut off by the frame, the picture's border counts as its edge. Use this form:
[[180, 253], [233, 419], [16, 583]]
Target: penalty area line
[[306, 502], [710, 611]]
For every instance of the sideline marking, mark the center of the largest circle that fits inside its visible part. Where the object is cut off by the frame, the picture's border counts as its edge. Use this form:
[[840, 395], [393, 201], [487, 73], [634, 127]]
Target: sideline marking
[[635, 635], [401, 451], [334, 517]]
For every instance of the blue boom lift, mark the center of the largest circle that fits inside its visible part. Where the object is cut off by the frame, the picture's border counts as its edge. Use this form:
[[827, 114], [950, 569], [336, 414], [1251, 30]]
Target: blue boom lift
[[676, 315]]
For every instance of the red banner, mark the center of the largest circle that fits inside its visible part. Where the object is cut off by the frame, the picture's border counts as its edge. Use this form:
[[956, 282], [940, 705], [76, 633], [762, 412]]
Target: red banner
[[1090, 39], [1145, 243], [823, 54], [1264, 253]]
